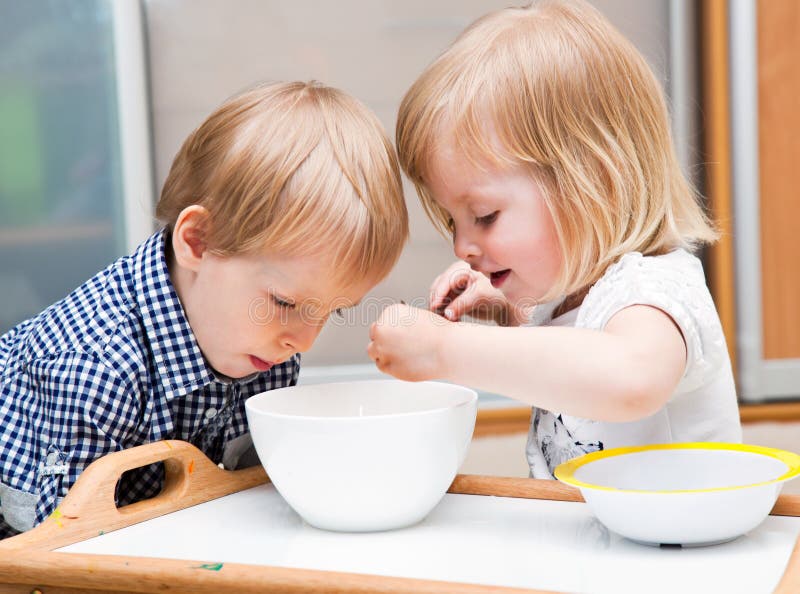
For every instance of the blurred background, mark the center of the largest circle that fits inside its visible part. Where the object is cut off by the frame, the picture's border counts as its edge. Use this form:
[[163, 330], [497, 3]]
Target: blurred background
[[96, 97]]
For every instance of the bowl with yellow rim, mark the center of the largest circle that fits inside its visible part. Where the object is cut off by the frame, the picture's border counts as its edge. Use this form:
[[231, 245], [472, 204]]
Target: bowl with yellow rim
[[689, 494]]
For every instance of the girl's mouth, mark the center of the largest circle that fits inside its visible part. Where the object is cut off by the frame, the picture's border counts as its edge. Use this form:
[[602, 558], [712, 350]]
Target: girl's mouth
[[499, 277], [260, 364]]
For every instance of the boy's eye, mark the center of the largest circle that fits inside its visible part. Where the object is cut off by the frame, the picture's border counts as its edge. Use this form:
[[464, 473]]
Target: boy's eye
[[487, 219], [282, 303], [338, 312]]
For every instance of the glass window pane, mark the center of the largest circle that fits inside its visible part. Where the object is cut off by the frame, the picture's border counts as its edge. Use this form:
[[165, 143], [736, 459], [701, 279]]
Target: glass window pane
[[60, 188]]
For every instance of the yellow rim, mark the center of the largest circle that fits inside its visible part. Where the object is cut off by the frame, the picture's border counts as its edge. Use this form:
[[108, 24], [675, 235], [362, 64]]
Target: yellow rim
[[566, 472]]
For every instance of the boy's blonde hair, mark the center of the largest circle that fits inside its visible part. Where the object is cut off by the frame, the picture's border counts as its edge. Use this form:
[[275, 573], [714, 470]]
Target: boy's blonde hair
[[569, 96], [295, 169]]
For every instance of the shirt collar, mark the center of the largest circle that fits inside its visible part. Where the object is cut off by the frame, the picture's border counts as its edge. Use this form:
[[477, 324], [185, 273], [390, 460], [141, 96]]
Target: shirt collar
[[543, 312], [176, 354]]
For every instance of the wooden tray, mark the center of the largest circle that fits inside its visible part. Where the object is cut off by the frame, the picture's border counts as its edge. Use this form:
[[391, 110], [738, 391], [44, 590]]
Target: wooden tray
[[30, 562]]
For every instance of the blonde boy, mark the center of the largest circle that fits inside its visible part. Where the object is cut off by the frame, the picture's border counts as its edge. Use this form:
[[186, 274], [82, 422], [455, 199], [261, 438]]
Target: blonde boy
[[283, 206]]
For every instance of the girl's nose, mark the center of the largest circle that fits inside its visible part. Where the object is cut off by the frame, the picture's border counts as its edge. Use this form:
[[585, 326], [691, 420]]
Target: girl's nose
[[465, 248]]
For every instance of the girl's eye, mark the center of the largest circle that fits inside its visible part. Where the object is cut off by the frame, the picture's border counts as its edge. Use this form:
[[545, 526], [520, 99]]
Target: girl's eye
[[282, 303], [488, 219]]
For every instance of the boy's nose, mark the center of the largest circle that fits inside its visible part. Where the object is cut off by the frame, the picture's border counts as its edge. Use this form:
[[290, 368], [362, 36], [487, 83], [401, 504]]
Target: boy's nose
[[300, 338]]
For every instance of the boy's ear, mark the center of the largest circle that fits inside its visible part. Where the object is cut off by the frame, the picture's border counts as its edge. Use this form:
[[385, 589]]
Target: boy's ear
[[189, 236]]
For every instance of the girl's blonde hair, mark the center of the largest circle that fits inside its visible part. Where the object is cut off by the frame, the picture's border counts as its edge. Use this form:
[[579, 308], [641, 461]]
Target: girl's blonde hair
[[569, 96], [295, 169]]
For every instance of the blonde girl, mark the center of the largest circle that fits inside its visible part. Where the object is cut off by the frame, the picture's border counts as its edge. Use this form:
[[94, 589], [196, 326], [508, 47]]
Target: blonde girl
[[539, 141]]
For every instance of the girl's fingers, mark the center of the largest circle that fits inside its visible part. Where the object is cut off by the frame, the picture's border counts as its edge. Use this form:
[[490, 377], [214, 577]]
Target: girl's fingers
[[444, 303], [461, 304], [439, 290], [372, 351], [448, 286], [454, 270]]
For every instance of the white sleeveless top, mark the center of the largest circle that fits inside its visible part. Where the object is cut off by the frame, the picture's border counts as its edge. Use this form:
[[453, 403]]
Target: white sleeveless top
[[703, 406]]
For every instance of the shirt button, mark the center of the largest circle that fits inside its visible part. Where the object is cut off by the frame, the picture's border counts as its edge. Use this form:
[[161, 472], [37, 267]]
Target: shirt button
[[211, 413], [52, 459]]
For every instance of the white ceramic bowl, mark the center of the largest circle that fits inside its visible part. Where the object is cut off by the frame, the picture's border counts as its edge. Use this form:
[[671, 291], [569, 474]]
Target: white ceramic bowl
[[685, 493], [366, 455]]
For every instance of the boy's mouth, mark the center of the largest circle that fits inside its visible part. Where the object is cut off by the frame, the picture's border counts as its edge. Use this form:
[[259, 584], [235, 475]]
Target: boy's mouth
[[260, 364], [499, 277]]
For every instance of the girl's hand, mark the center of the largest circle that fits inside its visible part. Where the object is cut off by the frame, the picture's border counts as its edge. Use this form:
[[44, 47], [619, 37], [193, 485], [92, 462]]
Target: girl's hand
[[407, 343], [461, 291]]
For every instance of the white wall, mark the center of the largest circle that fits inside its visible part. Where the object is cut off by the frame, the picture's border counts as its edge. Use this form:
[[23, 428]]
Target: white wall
[[202, 51]]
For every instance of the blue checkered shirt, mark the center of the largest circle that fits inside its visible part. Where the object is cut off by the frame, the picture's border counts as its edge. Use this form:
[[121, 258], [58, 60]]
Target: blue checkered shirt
[[111, 366]]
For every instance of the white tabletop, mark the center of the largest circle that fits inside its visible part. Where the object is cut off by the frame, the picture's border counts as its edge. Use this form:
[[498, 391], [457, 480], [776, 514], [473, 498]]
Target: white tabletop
[[528, 543]]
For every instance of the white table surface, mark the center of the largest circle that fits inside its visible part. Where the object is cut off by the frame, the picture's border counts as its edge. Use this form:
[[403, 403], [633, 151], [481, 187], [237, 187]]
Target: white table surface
[[529, 543]]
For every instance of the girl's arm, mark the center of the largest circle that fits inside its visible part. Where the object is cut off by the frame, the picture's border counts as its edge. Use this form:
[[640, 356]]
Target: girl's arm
[[625, 372]]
